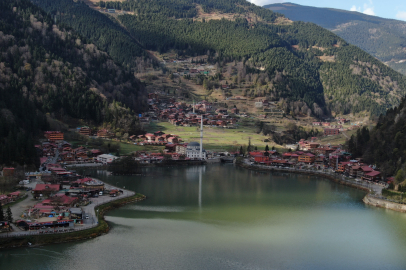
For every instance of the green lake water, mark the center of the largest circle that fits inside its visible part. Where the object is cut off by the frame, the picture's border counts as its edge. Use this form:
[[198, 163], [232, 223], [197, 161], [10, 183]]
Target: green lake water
[[224, 217]]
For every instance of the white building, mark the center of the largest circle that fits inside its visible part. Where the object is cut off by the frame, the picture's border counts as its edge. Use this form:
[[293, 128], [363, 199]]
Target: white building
[[106, 158], [193, 151]]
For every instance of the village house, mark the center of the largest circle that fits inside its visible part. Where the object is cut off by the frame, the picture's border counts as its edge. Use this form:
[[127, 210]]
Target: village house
[[372, 176], [235, 111], [363, 171], [159, 133], [106, 158], [14, 196], [342, 167], [150, 137], [60, 200], [85, 131], [54, 136], [306, 158], [331, 131], [104, 133], [354, 170], [4, 199], [42, 190], [8, 172]]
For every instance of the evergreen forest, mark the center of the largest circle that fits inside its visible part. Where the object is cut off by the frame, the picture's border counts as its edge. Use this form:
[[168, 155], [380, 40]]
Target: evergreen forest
[[299, 61], [46, 68]]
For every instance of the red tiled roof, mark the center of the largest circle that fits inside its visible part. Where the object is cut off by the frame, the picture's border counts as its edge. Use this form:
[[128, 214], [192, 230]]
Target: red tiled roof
[[373, 173], [42, 187], [366, 169]]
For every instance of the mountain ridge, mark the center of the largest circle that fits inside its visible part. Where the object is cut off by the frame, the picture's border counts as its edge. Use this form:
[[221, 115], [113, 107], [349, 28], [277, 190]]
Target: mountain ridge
[[383, 38], [331, 75]]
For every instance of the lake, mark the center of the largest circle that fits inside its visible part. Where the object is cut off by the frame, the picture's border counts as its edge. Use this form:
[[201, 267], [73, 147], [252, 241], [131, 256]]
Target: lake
[[224, 217]]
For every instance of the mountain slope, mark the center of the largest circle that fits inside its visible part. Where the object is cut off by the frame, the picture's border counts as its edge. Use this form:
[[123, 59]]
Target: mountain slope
[[297, 62], [385, 144], [383, 38], [48, 69], [106, 34]]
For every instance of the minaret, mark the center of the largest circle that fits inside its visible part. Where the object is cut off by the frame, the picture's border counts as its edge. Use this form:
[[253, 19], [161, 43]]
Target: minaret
[[193, 106], [201, 137]]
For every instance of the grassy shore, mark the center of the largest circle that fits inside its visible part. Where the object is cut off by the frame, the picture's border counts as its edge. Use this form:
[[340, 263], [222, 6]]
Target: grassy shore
[[394, 195], [102, 228]]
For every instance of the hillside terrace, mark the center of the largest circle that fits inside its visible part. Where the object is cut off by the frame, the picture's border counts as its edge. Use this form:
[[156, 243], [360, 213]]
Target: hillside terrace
[[182, 114]]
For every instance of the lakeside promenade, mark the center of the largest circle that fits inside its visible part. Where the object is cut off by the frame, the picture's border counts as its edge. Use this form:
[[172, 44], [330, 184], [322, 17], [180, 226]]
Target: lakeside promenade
[[371, 187], [374, 190]]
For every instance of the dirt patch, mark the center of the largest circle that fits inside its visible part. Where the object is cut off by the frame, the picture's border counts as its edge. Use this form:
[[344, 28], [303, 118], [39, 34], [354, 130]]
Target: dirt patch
[[326, 58], [283, 21], [201, 15], [319, 48]]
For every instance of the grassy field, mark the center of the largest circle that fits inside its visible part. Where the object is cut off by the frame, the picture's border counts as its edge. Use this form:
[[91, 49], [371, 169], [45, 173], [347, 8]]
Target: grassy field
[[126, 148], [337, 139], [215, 138]]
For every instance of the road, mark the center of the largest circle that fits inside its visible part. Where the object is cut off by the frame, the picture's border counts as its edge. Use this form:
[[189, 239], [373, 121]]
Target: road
[[20, 207]]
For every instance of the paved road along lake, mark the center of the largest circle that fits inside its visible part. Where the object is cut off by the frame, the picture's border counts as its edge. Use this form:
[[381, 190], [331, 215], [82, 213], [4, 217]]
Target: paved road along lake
[[223, 217]]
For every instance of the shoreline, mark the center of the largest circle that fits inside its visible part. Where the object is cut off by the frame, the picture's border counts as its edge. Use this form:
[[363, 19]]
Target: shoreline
[[369, 199]]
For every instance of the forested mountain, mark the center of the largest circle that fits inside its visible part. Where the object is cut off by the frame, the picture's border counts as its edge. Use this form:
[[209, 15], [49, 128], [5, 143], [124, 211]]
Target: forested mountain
[[46, 68], [385, 144], [105, 33], [383, 38], [295, 61]]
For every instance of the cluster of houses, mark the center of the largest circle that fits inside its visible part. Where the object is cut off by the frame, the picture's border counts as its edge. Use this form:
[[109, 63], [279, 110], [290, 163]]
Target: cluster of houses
[[182, 114], [9, 198], [60, 205], [63, 151], [330, 128], [156, 138], [320, 156], [173, 151]]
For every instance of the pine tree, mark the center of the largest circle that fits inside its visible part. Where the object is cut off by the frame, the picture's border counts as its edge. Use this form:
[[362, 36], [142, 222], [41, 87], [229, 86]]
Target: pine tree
[[249, 145], [266, 148], [241, 151], [9, 215], [1, 213]]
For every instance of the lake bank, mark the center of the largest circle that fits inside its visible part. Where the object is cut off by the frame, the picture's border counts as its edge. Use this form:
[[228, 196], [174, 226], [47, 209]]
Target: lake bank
[[340, 179]]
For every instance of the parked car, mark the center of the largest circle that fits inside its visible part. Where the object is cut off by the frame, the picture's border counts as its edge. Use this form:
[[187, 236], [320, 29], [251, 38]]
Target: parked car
[[87, 217]]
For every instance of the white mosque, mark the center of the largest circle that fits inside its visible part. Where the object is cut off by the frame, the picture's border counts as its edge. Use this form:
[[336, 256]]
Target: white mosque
[[193, 151]]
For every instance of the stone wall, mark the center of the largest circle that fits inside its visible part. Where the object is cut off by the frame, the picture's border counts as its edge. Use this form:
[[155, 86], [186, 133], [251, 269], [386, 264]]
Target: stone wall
[[370, 200]]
